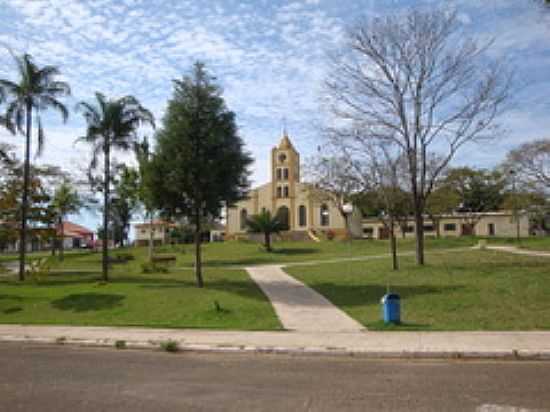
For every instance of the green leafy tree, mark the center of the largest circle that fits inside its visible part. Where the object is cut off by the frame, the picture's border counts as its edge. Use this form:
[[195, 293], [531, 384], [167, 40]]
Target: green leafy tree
[[111, 125], [266, 224], [125, 201], [478, 191], [36, 90], [65, 201], [199, 165], [443, 200]]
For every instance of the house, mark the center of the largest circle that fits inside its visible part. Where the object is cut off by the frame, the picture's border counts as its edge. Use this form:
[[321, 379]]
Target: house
[[76, 236], [488, 224], [296, 204], [43, 238]]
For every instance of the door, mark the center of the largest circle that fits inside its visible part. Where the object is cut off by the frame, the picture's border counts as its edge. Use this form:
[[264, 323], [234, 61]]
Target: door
[[467, 229]]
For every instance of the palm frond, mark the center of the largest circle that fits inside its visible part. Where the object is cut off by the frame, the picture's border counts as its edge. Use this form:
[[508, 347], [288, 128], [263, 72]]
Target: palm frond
[[49, 101]]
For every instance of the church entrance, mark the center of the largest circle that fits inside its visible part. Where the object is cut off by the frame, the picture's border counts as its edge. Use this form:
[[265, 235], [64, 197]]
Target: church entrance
[[283, 217]]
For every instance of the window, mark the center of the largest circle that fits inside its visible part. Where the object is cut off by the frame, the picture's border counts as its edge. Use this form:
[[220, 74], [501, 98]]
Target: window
[[409, 229], [285, 191], [285, 173], [368, 231], [491, 229], [278, 174], [324, 215], [428, 228], [302, 216], [244, 217], [282, 158], [263, 209], [279, 192], [449, 227]]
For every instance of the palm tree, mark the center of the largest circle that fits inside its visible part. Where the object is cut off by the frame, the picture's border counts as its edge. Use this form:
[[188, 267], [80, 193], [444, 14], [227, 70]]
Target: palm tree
[[143, 155], [111, 124], [36, 90], [266, 224], [65, 201]]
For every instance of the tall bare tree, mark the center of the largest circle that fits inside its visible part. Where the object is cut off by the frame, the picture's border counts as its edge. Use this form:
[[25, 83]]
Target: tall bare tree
[[414, 82], [531, 162]]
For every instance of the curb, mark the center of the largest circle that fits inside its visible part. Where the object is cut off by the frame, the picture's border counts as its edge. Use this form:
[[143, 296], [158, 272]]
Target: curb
[[501, 355]]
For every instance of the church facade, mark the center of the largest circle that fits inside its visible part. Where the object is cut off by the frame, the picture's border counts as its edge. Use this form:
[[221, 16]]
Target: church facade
[[285, 196]]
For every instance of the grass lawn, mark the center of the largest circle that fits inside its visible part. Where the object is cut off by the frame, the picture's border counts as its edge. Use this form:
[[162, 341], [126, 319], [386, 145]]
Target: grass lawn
[[76, 297], [462, 290]]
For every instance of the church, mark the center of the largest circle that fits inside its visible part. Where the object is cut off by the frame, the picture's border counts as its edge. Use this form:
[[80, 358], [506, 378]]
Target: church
[[304, 215]]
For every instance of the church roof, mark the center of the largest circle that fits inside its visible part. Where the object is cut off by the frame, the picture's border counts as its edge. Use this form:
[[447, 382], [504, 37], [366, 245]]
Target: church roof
[[285, 143]]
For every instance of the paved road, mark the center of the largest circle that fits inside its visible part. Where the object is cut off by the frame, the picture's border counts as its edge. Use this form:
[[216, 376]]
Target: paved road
[[299, 307], [61, 378]]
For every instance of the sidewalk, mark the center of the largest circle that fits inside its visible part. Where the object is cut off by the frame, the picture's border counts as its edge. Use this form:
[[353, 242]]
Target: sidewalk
[[484, 345], [298, 307], [517, 251]]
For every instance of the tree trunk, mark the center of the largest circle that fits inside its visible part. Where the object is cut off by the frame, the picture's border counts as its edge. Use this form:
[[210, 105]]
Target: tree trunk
[[105, 243], [437, 224], [267, 241], [198, 240], [62, 245], [150, 254], [25, 200], [419, 229], [393, 245]]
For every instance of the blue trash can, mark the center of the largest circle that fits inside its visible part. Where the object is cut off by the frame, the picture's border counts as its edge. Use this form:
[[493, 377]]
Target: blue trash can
[[391, 308]]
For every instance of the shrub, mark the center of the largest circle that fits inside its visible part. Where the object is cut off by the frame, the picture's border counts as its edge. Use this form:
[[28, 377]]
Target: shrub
[[330, 234], [38, 269], [120, 344], [170, 346]]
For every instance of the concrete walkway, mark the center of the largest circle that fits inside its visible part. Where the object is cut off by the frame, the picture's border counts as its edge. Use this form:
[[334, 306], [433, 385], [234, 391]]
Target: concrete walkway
[[299, 307], [518, 251], [501, 345]]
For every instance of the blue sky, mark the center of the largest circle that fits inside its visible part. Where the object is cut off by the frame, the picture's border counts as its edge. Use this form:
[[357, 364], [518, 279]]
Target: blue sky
[[269, 56]]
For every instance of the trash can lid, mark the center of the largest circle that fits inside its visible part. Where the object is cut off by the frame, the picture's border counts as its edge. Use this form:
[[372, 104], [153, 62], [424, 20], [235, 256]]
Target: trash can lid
[[390, 296]]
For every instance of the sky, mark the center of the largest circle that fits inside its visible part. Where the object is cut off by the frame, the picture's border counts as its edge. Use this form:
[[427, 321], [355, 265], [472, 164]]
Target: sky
[[270, 57]]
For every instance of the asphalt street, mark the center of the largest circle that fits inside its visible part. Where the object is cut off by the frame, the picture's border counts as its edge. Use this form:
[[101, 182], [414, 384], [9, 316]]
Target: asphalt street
[[63, 378]]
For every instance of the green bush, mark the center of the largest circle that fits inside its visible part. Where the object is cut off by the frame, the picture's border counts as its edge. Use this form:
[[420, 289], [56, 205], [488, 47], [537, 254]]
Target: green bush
[[170, 346], [120, 344], [38, 269]]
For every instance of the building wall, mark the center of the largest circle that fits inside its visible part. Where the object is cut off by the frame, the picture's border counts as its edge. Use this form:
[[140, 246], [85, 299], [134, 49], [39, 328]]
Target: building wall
[[504, 225], [142, 233]]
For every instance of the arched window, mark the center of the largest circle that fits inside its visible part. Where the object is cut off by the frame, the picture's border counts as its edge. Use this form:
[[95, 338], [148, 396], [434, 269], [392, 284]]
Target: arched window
[[285, 173], [283, 217], [324, 215], [279, 192], [244, 218], [278, 174], [302, 216], [285, 191]]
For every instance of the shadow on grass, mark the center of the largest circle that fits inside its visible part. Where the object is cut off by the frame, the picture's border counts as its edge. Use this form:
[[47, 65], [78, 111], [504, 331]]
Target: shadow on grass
[[84, 302], [9, 311], [243, 288]]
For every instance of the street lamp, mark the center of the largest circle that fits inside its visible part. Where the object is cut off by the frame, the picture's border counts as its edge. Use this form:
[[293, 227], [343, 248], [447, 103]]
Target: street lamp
[[347, 209]]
